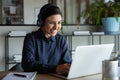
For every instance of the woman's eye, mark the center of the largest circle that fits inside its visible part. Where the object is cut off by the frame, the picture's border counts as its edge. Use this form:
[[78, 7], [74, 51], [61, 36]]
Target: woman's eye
[[59, 22], [51, 22]]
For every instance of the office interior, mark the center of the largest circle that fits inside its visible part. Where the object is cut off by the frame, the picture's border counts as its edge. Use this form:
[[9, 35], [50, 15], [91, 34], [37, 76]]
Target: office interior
[[26, 21]]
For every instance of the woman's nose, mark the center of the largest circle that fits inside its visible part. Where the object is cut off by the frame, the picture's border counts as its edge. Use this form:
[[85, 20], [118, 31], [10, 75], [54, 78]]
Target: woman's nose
[[56, 26]]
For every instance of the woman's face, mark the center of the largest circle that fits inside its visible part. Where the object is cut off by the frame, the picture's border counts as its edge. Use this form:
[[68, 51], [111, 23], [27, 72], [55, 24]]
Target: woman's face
[[52, 25]]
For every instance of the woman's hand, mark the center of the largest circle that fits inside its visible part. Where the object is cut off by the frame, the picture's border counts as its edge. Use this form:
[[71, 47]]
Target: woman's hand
[[63, 68]]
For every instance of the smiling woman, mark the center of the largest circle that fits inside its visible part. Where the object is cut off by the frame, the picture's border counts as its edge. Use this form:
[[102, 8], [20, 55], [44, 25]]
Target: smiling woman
[[45, 50]]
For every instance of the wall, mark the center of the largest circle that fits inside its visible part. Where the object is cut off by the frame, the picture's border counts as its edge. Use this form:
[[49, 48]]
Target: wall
[[30, 7]]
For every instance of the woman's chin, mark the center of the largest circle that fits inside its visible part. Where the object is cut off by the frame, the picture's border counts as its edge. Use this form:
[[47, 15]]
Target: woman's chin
[[53, 34]]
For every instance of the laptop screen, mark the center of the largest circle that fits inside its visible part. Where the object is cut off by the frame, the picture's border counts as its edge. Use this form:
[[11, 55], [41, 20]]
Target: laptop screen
[[88, 59]]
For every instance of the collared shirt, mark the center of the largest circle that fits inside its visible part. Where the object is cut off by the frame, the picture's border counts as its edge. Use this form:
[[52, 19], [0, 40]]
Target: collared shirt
[[43, 55]]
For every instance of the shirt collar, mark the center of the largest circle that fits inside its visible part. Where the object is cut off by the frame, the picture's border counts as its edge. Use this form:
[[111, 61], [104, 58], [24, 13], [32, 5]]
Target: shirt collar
[[52, 38]]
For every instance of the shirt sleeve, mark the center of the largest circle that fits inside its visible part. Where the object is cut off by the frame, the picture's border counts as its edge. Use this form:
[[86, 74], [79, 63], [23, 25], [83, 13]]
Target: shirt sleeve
[[29, 63], [66, 56]]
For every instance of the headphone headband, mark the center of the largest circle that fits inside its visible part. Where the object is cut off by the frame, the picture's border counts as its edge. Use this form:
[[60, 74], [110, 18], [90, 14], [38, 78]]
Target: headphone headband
[[40, 21]]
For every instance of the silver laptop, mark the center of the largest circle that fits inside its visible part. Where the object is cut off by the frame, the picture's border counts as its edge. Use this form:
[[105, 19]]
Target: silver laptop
[[87, 60]]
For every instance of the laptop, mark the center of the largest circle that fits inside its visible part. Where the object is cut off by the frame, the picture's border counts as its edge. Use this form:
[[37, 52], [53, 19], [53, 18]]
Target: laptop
[[87, 60]]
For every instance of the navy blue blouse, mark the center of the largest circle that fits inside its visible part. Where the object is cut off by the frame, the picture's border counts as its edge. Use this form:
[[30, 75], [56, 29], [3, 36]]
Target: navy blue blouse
[[43, 55]]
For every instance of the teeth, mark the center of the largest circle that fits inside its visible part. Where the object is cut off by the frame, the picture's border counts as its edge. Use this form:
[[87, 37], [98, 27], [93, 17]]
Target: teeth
[[54, 31]]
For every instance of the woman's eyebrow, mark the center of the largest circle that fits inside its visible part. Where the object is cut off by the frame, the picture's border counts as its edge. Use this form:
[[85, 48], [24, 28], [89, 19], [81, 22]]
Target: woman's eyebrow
[[53, 20]]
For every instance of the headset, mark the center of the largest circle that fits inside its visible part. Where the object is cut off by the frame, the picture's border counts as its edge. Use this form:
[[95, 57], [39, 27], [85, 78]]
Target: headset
[[40, 21]]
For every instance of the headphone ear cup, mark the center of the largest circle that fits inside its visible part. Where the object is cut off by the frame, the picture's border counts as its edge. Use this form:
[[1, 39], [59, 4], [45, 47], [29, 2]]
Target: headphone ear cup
[[40, 22]]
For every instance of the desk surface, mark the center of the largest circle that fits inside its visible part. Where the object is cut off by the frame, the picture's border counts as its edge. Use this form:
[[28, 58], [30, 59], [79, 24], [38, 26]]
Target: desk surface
[[50, 77]]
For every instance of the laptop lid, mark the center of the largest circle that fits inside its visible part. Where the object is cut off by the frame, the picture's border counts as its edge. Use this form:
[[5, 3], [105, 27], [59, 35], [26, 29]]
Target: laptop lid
[[88, 60]]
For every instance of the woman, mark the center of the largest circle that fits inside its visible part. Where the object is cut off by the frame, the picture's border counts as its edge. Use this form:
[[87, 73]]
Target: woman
[[44, 50]]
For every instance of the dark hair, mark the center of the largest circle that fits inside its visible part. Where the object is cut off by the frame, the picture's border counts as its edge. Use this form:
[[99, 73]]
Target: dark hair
[[46, 11]]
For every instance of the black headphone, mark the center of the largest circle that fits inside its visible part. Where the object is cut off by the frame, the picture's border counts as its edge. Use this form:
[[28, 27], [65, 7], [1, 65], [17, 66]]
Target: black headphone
[[40, 21]]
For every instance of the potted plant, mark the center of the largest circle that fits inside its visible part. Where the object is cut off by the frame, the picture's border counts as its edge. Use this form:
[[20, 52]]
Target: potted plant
[[101, 12]]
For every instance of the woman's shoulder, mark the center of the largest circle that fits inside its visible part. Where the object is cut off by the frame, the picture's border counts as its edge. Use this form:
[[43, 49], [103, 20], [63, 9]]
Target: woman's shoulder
[[31, 34]]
